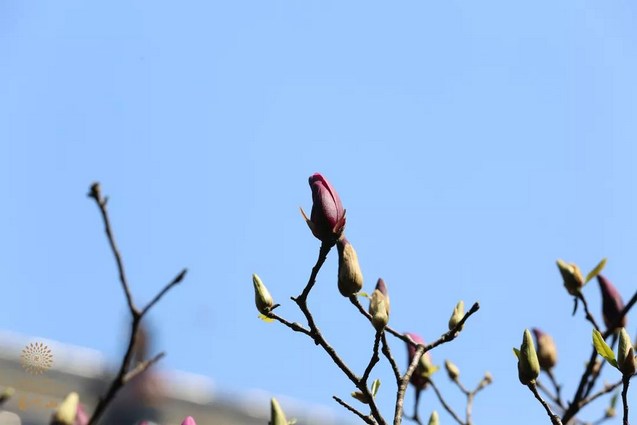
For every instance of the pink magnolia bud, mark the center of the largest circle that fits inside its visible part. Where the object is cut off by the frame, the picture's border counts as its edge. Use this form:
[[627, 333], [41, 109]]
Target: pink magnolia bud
[[425, 368], [380, 285], [546, 351], [189, 421], [327, 220], [612, 303]]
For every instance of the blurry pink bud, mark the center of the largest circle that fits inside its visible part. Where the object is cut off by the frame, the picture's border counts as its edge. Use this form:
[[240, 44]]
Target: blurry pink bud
[[327, 220], [380, 285], [546, 350], [189, 421], [612, 303], [425, 368]]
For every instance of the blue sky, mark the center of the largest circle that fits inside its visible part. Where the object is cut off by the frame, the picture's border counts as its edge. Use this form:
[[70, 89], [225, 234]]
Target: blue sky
[[472, 143]]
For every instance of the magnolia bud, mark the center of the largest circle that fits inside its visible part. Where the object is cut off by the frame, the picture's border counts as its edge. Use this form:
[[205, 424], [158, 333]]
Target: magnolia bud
[[528, 364], [66, 412], [418, 378], [626, 362], [546, 351], [262, 297], [189, 421], [350, 277], [452, 370], [457, 315], [277, 417], [379, 309], [488, 378], [327, 220], [612, 303], [380, 285], [433, 419], [573, 279]]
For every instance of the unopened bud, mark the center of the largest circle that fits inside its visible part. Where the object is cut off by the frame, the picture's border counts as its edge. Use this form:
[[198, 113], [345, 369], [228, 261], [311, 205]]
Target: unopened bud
[[382, 287], [528, 364], [546, 351], [262, 297], [612, 304], [189, 421], [572, 276], [433, 419], [457, 315], [350, 277], [488, 378], [66, 412], [452, 370], [626, 362], [379, 309], [277, 417]]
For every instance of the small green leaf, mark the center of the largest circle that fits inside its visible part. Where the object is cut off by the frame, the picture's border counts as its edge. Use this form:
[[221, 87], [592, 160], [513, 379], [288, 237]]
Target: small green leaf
[[375, 387], [516, 352], [292, 421], [363, 294], [595, 271], [603, 349], [265, 318]]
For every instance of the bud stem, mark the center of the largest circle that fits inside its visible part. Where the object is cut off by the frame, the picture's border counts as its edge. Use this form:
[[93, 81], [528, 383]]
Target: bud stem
[[625, 382]]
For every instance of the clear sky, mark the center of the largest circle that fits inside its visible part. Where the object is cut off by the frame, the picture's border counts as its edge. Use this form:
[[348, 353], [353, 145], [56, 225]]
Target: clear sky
[[472, 143]]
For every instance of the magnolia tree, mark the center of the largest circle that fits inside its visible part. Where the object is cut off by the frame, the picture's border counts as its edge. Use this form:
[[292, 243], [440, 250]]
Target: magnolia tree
[[535, 365]]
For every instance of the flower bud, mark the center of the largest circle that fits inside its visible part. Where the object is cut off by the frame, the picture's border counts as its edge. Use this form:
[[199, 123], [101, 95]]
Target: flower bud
[[425, 368], [528, 364], [327, 220], [457, 315], [626, 362], [612, 303], [277, 417], [189, 421], [546, 351], [262, 297], [379, 310], [67, 410], [488, 378], [350, 277], [433, 419], [380, 285], [573, 279], [452, 370]]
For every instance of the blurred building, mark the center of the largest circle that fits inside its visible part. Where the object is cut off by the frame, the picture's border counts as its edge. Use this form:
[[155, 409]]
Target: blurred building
[[173, 395]]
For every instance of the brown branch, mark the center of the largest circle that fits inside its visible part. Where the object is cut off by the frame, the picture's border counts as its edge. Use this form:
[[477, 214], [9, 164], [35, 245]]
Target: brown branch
[[420, 350], [124, 374], [374, 359], [387, 352], [625, 382], [600, 393], [318, 338], [292, 325], [445, 404], [367, 419], [589, 316], [555, 420]]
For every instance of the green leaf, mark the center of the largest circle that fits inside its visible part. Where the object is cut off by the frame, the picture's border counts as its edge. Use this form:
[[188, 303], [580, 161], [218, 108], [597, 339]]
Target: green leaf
[[360, 397], [603, 349], [516, 352], [595, 271], [375, 387], [363, 294], [265, 318]]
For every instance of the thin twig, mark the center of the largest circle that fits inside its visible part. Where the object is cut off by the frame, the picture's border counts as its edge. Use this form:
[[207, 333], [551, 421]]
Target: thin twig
[[589, 316], [420, 350], [445, 404], [555, 420], [124, 375], [355, 411], [558, 388], [387, 352], [374, 359], [625, 382], [607, 389], [415, 417], [318, 338], [292, 325]]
